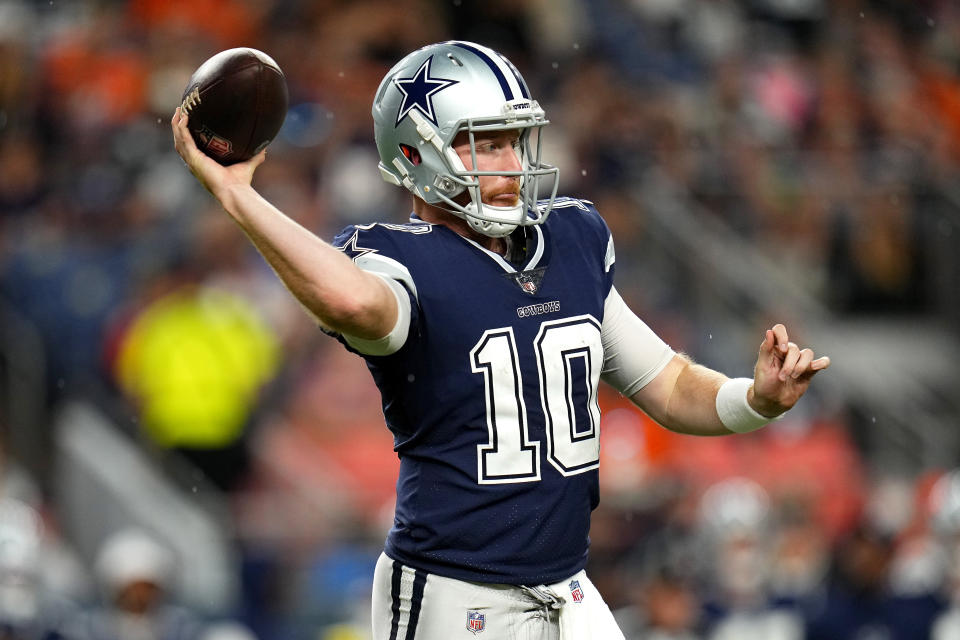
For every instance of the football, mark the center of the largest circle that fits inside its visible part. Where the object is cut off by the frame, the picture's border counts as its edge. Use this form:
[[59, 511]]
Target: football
[[236, 103]]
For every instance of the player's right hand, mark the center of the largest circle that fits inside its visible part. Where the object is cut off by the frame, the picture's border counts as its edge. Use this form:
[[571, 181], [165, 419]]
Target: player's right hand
[[216, 178]]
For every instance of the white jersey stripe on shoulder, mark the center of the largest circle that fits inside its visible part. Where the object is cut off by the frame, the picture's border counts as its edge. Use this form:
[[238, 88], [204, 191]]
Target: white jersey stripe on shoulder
[[387, 266], [566, 201]]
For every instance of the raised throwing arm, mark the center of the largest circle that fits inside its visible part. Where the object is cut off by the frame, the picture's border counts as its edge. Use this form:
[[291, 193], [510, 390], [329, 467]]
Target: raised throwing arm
[[327, 283]]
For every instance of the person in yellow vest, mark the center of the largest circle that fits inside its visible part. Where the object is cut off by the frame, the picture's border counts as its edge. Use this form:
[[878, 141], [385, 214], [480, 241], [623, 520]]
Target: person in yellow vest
[[194, 361]]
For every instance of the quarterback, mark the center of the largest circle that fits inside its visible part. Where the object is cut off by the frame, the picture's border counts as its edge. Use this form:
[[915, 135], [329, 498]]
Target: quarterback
[[488, 321]]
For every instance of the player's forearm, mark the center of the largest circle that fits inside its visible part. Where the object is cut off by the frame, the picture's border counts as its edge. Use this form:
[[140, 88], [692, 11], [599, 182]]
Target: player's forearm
[[343, 297], [683, 398], [693, 405]]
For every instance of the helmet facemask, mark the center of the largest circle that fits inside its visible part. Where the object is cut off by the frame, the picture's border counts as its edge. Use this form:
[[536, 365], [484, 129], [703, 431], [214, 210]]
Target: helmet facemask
[[492, 220]]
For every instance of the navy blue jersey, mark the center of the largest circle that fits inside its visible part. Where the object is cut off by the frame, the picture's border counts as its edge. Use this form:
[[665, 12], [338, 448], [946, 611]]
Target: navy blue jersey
[[492, 400]]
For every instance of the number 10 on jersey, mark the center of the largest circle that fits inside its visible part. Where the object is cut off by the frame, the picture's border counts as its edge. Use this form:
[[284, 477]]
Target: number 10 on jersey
[[569, 358]]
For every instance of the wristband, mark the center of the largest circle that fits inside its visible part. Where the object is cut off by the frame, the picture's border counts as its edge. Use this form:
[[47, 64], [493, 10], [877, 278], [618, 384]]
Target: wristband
[[735, 412]]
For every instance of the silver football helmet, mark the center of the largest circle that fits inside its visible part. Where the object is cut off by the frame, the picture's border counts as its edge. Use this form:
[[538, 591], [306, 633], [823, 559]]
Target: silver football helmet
[[433, 94]]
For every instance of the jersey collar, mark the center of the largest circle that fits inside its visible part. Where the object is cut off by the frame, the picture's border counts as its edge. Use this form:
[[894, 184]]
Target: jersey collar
[[531, 262]]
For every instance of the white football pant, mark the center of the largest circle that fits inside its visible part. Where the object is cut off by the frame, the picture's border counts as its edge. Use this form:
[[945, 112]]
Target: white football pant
[[409, 604]]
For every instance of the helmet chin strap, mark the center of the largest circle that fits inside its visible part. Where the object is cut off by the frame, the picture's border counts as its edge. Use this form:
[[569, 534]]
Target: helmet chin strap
[[488, 227], [472, 215]]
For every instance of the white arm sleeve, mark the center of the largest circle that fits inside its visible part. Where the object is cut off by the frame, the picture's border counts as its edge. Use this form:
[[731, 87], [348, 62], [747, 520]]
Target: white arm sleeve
[[633, 354], [391, 342]]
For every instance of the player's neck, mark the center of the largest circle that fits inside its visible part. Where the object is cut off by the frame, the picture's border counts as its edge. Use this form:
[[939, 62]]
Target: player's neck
[[436, 215]]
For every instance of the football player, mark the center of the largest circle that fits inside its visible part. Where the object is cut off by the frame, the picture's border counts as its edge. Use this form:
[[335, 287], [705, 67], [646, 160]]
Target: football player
[[488, 321]]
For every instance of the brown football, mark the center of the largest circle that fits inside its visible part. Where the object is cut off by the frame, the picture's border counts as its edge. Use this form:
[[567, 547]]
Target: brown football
[[236, 103]]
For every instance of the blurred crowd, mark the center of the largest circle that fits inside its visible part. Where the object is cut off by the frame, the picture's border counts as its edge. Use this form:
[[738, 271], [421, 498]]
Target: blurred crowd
[[825, 132]]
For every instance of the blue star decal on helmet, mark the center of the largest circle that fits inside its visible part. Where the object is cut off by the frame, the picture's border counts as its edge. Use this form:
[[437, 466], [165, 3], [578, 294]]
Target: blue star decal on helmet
[[418, 92]]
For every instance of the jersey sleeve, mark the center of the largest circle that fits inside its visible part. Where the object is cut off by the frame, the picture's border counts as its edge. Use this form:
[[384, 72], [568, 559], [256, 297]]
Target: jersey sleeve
[[393, 341], [372, 249]]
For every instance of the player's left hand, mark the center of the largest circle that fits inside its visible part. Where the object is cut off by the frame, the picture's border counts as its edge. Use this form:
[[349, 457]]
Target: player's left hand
[[783, 373]]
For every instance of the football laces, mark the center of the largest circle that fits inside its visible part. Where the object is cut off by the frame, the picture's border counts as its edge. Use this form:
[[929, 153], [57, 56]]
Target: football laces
[[191, 100]]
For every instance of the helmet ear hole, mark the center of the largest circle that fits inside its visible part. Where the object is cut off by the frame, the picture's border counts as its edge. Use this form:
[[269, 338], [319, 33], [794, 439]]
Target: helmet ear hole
[[411, 154]]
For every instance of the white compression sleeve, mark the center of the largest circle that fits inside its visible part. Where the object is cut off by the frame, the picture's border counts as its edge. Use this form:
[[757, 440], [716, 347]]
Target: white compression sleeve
[[633, 354]]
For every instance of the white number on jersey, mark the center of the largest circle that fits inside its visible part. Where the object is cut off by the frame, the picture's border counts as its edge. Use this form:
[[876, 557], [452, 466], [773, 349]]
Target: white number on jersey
[[569, 358]]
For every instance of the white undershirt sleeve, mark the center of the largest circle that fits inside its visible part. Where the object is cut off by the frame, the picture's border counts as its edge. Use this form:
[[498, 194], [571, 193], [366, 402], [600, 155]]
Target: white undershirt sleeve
[[391, 342], [633, 354]]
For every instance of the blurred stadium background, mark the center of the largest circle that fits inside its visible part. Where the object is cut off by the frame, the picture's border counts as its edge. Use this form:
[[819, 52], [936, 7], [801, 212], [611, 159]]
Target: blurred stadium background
[[180, 444]]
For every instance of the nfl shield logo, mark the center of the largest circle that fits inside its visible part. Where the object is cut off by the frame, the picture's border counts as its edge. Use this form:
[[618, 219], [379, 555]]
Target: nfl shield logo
[[529, 280], [527, 283], [575, 591], [475, 622]]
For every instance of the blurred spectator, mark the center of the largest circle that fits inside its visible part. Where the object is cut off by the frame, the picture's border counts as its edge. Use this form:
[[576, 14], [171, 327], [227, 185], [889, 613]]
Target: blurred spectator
[[134, 573], [800, 556], [859, 601], [737, 521], [944, 513], [194, 360], [29, 610], [667, 608]]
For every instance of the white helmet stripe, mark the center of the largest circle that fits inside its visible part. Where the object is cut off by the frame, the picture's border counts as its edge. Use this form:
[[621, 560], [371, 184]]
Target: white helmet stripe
[[505, 75], [524, 91]]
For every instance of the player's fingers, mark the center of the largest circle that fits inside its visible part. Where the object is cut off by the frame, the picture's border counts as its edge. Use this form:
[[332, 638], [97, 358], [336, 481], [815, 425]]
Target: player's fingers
[[182, 126], [258, 159], [789, 360], [815, 367], [177, 124], [767, 345], [803, 363], [183, 137], [781, 337], [820, 363]]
